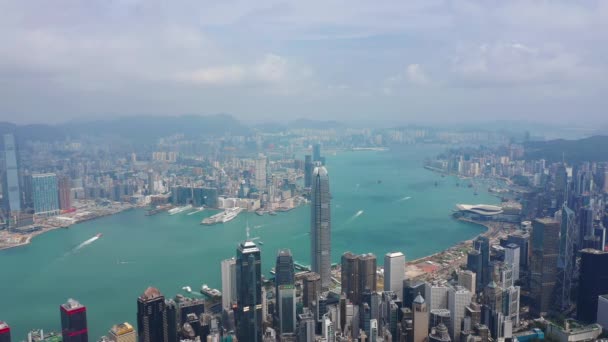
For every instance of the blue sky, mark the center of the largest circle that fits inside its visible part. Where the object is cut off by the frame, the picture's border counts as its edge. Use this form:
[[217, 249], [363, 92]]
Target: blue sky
[[396, 61]]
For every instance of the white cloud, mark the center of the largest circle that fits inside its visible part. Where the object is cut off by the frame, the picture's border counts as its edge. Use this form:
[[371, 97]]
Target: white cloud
[[271, 69], [416, 75], [516, 64]]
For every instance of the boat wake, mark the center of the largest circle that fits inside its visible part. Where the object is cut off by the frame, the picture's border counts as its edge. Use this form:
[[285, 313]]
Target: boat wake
[[404, 199], [354, 217], [86, 243]]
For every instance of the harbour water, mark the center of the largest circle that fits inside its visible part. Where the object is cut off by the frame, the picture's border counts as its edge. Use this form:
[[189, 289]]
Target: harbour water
[[382, 201]]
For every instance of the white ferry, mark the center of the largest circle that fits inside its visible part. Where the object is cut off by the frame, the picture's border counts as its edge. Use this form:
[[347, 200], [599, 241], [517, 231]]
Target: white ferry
[[180, 209]]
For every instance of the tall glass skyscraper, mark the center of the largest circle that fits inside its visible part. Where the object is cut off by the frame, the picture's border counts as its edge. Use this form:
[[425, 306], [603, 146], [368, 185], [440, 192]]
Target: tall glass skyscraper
[[74, 322], [248, 312], [46, 193], [10, 185], [285, 292], [152, 317], [320, 226]]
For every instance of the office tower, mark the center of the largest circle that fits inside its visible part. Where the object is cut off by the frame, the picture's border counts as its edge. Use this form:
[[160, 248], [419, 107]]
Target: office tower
[[11, 192], [411, 289], [152, 325], [522, 240], [602, 311], [367, 273], [458, 299], [260, 173], [65, 186], [440, 316], [473, 313], [439, 334], [308, 167], [600, 237], [593, 282], [349, 277], [5, 332], [482, 244], [320, 226], [566, 260], [512, 254], [316, 152], [394, 273], [585, 224], [474, 264], [248, 312], [543, 265], [306, 327], [493, 297], [312, 289], [511, 299], [123, 332], [468, 280], [327, 330], [228, 282], [285, 292], [436, 296], [74, 322], [420, 320], [45, 193], [561, 182]]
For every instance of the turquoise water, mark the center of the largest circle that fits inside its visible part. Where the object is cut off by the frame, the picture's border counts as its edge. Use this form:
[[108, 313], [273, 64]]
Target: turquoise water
[[404, 212]]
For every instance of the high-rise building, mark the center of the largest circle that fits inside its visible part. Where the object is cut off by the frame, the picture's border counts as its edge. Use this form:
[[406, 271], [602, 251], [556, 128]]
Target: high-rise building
[[458, 299], [436, 296], [316, 152], [312, 289], [439, 334], [474, 265], [45, 194], [152, 323], [367, 273], [522, 240], [123, 332], [285, 292], [543, 270], [394, 273], [306, 327], [467, 279], [482, 244], [420, 319], [74, 322], [260, 173], [411, 289], [602, 310], [11, 192], [350, 277], [228, 282], [65, 187], [593, 282], [308, 167], [512, 255], [567, 258], [248, 311], [5, 332], [320, 226]]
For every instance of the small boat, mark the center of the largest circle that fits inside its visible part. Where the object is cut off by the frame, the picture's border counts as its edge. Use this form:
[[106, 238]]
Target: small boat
[[272, 213], [260, 242], [379, 181], [98, 235], [436, 184]]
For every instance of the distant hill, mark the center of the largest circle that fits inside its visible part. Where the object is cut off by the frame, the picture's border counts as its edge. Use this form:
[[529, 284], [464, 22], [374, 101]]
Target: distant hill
[[573, 151], [141, 129], [315, 124]]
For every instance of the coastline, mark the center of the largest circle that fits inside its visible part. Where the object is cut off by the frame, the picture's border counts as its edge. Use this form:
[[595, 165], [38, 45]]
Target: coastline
[[48, 228]]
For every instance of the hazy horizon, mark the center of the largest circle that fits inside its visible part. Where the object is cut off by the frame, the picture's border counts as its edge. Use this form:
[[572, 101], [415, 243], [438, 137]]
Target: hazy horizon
[[420, 62]]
